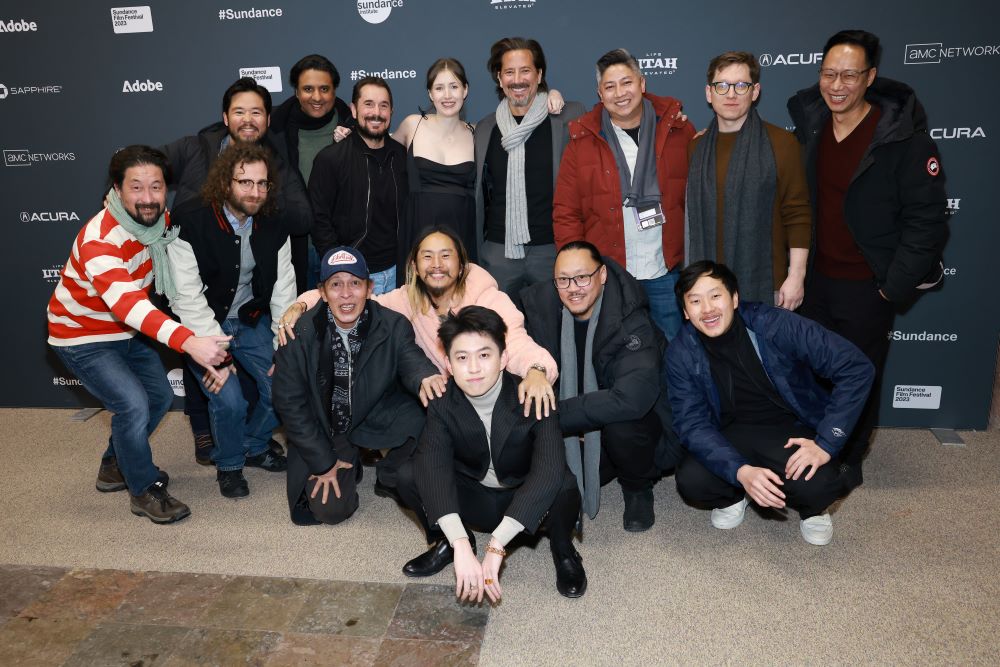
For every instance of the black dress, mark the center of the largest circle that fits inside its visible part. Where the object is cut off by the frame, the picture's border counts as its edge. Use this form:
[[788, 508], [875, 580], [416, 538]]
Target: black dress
[[440, 195]]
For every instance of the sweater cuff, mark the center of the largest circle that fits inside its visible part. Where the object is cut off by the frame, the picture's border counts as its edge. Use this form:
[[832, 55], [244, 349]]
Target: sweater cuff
[[451, 526], [507, 530]]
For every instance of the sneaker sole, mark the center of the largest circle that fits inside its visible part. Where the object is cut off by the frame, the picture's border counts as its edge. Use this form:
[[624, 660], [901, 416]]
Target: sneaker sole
[[110, 487], [159, 520]]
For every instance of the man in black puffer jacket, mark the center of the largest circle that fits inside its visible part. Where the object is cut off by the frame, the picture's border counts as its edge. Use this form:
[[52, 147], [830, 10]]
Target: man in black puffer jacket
[[611, 397], [877, 187]]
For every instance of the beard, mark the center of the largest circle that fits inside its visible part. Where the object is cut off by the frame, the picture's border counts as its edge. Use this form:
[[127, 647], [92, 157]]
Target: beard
[[146, 215], [234, 134], [374, 136], [248, 208]]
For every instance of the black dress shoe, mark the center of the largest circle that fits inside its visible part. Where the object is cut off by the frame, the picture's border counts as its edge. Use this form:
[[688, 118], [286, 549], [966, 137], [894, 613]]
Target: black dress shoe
[[638, 516], [268, 461], [571, 579], [232, 483], [433, 560], [384, 491]]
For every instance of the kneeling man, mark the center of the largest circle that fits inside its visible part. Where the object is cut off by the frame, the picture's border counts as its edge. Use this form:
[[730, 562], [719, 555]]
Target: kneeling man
[[748, 407], [482, 463], [348, 380]]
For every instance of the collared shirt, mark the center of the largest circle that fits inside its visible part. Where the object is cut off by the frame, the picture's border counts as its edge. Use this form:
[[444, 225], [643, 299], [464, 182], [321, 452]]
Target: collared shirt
[[244, 291], [643, 247]]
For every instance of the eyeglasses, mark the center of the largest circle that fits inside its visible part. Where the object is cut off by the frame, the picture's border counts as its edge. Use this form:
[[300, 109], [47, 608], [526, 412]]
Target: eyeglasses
[[722, 87], [848, 77], [582, 280], [246, 184]]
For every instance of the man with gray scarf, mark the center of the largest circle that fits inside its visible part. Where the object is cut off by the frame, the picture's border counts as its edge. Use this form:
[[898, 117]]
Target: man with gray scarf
[[621, 183], [593, 317], [518, 149], [747, 199]]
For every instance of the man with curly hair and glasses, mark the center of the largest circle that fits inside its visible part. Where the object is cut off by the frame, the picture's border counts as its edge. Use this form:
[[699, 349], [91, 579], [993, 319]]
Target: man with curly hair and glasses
[[233, 270]]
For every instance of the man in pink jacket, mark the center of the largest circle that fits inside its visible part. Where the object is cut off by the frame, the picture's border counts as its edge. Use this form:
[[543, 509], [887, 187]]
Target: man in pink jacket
[[441, 279]]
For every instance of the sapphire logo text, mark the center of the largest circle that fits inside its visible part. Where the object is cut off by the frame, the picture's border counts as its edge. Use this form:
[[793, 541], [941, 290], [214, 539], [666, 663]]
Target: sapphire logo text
[[656, 64], [932, 53], [126, 20], [269, 77], [6, 91], [49, 216], [767, 60], [18, 25], [252, 13], [958, 133], [916, 397], [146, 86], [377, 11], [22, 157]]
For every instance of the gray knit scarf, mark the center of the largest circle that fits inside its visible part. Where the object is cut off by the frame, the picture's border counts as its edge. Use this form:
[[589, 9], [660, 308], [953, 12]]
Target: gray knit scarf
[[155, 238], [751, 182], [512, 138], [344, 359], [641, 189], [587, 467]]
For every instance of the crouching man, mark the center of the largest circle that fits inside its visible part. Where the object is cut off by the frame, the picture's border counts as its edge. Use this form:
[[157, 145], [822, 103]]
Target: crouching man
[[482, 463], [349, 379], [749, 409]]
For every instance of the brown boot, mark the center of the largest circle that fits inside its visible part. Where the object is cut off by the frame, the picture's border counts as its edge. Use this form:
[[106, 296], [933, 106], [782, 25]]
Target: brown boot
[[110, 478], [159, 506]]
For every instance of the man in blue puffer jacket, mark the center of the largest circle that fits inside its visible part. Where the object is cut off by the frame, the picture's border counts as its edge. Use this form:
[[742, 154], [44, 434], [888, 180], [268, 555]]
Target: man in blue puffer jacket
[[748, 407]]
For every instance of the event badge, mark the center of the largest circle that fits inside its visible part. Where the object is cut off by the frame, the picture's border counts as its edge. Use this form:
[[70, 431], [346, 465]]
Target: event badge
[[650, 217]]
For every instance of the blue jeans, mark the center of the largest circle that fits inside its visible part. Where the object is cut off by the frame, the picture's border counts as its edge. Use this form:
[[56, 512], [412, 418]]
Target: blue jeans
[[384, 281], [127, 377], [312, 274], [663, 303], [236, 435]]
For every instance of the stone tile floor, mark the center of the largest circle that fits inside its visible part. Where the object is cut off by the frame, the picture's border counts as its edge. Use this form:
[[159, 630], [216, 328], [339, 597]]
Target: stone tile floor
[[54, 616]]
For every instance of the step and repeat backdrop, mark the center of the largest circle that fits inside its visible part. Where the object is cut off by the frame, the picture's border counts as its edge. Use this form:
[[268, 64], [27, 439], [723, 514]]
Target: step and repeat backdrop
[[79, 80]]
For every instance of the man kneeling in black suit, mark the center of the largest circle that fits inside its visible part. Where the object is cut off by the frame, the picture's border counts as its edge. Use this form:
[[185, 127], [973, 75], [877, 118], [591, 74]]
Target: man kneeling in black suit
[[482, 463]]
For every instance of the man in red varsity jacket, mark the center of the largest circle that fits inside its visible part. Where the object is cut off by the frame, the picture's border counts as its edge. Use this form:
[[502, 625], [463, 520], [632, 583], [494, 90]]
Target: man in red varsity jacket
[[100, 305], [233, 269]]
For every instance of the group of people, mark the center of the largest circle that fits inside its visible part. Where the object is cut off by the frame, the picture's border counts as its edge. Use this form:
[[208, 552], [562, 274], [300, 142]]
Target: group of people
[[504, 317]]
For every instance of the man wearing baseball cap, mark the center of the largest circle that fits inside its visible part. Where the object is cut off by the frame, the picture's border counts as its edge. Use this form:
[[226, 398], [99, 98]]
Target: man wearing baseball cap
[[350, 379]]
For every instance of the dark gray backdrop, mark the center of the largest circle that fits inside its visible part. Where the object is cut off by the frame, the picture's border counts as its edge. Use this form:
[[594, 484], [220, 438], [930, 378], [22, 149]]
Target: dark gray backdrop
[[63, 112]]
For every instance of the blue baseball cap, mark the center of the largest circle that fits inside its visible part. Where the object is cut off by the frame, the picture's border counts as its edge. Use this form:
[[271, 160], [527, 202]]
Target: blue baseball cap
[[343, 258]]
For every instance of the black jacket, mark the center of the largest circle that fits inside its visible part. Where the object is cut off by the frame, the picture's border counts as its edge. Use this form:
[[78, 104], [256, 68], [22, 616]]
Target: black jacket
[[527, 454], [384, 383], [628, 359], [340, 190], [191, 157], [216, 249], [284, 135], [895, 207]]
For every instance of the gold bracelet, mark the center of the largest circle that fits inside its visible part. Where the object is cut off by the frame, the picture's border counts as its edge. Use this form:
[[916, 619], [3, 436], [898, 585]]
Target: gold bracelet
[[303, 304], [499, 551]]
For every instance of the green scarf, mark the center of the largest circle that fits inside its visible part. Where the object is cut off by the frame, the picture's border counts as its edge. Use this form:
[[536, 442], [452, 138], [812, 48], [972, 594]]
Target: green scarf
[[155, 239]]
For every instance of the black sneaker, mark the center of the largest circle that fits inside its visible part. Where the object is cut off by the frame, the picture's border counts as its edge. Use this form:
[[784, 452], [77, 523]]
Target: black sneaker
[[203, 446], [158, 506], [275, 447], [267, 460], [232, 483], [110, 478]]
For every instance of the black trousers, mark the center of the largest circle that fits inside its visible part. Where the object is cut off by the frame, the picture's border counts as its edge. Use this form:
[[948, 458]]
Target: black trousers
[[763, 446], [482, 508], [628, 452], [855, 310], [335, 510]]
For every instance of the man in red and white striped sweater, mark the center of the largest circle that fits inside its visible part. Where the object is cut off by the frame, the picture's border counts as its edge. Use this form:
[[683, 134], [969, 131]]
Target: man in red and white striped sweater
[[102, 302]]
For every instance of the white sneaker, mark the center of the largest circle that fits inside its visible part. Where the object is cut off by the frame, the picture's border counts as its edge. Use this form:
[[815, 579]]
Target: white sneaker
[[729, 517], [817, 530]]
